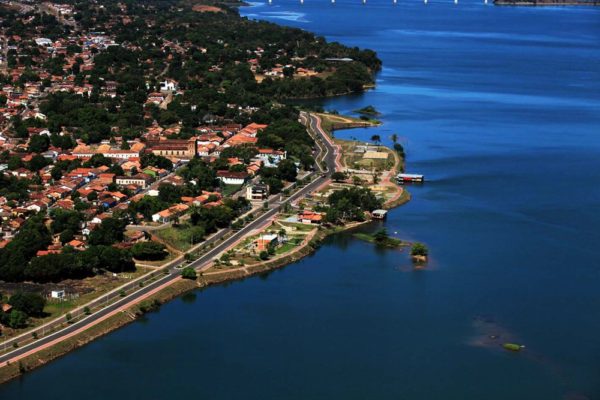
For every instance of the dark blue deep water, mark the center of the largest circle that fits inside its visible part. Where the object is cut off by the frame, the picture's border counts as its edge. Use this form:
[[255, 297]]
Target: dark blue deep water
[[500, 109]]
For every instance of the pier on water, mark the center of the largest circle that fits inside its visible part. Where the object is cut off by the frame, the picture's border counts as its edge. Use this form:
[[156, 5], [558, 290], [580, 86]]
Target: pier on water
[[409, 178]]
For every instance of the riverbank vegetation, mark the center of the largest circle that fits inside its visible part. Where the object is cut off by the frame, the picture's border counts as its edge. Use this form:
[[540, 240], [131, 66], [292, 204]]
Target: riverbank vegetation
[[331, 121], [18, 261], [380, 238], [19, 308], [350, 204], [419, 253], [368, 110]]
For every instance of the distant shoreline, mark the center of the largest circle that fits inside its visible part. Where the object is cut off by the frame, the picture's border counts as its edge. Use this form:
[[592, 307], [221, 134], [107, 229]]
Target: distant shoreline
[[530, 3]]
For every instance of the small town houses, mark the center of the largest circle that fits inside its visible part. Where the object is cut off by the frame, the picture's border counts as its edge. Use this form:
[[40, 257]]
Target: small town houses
[[102, 190], [98, 192], [170, 213]]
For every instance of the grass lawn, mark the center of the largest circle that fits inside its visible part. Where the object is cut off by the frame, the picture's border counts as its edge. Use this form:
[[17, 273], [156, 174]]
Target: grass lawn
[[157, 263], [229, 190], [179, 237], [56, 307], [288, 246], [328, 120], [298, 226], [356, 161], [388, 242]]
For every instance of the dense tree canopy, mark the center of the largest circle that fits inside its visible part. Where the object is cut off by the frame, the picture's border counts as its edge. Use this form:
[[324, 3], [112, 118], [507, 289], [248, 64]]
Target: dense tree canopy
[[349, 204]]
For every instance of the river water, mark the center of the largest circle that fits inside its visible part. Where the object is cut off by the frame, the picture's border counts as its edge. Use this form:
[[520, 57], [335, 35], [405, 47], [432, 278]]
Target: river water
[[500, 109]]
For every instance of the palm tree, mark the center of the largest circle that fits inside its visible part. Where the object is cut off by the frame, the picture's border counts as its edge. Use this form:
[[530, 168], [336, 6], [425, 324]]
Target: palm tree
[[376, 138], [394, 138]]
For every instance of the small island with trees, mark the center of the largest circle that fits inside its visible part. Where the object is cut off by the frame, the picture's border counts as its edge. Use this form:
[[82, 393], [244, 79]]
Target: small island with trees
[[419, 253], [368, 111], [381, 238]]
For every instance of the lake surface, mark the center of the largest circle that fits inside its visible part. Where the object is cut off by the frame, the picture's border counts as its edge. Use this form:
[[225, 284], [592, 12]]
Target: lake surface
[[500, 108]]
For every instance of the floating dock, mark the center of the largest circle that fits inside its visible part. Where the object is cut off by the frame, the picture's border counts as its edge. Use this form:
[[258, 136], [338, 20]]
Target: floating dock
[[379, 214], [408, 178]]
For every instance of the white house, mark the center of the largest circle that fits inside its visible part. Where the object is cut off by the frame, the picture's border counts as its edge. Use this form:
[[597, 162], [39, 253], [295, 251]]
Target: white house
[[270, 157], [232, 178], [43, 42], [168, 85], [170, 213]]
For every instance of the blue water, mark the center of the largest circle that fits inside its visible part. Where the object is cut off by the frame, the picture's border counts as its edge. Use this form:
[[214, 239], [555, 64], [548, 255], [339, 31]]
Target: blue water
[[500, 109]]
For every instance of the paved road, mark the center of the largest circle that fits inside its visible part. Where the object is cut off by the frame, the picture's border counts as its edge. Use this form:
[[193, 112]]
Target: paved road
[[201, 263], [314, 123]]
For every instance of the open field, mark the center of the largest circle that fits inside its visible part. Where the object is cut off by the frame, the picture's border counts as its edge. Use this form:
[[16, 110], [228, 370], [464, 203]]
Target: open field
[[180, 237], [229, 190], [379, 158], [84, 291], [330, 122]]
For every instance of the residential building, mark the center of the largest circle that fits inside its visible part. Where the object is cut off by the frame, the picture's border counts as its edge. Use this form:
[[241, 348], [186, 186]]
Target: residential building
[[174, 148], [141, 180], [257, 192], [170, 213], [232, 178]]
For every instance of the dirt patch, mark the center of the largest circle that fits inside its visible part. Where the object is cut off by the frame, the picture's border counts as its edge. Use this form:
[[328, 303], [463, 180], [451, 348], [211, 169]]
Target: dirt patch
[[205, 8]]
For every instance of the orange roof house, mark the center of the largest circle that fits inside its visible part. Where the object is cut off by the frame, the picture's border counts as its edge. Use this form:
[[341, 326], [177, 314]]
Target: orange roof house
[[310, 217], [76, 244], [170, 213], [241, 139]]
